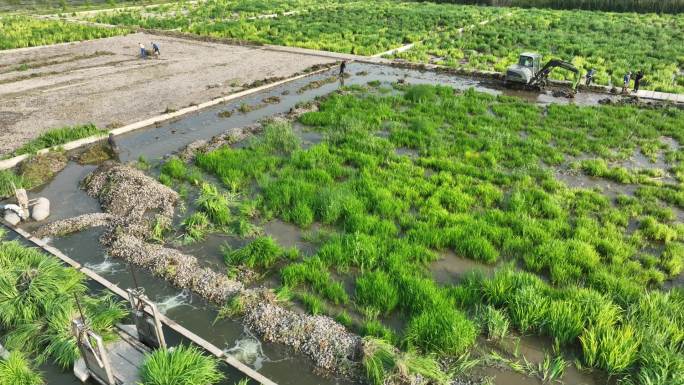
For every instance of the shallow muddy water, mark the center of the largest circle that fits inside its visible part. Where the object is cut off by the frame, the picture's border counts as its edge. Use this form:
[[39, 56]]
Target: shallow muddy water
[[154, 143]]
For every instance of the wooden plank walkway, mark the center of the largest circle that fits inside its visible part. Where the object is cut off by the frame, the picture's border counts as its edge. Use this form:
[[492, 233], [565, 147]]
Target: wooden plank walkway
[[127, 355], [173, 325]]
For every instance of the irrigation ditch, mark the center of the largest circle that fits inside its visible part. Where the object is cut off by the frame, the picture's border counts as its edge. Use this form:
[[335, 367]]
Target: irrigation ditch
[[101, 219]]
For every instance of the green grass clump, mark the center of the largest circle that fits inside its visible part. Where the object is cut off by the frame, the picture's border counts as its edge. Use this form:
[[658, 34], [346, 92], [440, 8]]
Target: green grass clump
[[175, 168], [315, 273], [58, 136], [442, 330], [376, 289], [8, 179], [657, 231], [39, 169], [383, 363], [196, 227], [37, 305], [313, 304], [613, 349], [215, 204], [181, 365], [16, 370], [262, 252], [495, 322], [564, 321], [375, 328], [672, 258], [277, 138]]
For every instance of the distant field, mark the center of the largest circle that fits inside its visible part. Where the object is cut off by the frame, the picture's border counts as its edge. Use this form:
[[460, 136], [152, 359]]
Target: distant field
[[359, 27], [612, 43], [21, 5], [24, 31]]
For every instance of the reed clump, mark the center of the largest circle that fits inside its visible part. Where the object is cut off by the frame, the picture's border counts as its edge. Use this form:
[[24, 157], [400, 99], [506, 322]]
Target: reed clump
[[181, 365]]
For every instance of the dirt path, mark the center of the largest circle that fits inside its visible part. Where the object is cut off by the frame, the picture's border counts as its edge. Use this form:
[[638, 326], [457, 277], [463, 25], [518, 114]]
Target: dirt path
[[104, 82]]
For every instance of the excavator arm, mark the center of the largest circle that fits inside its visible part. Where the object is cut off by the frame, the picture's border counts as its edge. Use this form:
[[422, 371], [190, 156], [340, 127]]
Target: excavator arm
[[543, 74]]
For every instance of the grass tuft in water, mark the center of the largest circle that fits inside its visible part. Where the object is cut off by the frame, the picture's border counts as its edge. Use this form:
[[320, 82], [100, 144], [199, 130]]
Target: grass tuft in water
[[182, 365]]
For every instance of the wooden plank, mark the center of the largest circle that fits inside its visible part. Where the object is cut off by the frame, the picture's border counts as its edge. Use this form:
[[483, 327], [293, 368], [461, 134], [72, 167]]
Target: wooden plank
[[206, 345]]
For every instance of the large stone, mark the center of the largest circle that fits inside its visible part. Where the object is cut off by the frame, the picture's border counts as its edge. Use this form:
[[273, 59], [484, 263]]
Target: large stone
[[41, 209], [12, 218]]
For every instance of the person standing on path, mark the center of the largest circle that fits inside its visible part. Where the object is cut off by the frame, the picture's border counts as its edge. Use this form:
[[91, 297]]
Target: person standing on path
[[590, 76], [112, 144], [637, 80], [155, 49], [625, 82], [143, 53]]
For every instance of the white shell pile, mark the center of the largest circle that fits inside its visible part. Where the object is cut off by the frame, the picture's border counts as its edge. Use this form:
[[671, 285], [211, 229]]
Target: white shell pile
[[128, 193], [231, 136], [179, 269], [73, 225], [330, 345]]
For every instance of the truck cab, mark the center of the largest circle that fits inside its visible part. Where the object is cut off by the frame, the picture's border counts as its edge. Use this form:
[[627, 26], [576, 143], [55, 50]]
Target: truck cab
[[529, 63]]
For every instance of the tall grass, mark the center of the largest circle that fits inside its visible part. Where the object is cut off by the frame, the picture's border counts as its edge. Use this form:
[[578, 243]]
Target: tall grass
[[315, 273], [215, 204], [441, 330], [16, 370], [612, 349], [58, 136], [37, 305], [8, 181], [377, 290], [196, 226], [384, 364], [181, 365], [262, 252]]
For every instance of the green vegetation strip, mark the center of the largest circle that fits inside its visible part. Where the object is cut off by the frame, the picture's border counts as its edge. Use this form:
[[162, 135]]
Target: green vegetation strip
[[17, 370], [25, 31], [611, 43], [184, 365], [641, 6], [58, 136], [400, 181], [358, 28]]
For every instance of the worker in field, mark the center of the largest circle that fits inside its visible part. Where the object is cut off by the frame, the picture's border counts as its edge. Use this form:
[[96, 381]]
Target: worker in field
[[637, 80], [143, 53], [155, 49], [343, 67], [590, 76], [625, 82], [112, 144]]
